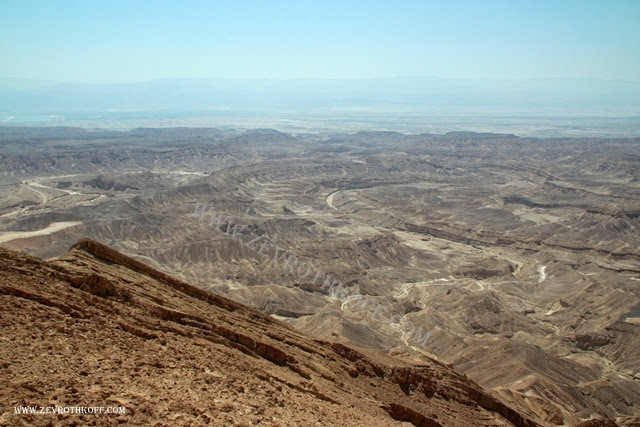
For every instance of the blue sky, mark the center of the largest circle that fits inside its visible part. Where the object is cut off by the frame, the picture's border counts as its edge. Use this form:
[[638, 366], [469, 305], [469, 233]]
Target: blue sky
[[132, 41]]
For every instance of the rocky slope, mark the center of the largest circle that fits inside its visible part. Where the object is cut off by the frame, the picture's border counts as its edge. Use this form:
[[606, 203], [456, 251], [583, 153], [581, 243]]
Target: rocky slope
[[96, 328]]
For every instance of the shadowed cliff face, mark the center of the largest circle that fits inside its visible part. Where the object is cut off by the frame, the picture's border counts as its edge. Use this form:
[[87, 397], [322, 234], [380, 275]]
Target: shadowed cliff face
[[96, 328]]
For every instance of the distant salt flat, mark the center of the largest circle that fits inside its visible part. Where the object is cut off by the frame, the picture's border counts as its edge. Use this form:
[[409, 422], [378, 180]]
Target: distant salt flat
[[189, 173], [51, 228]]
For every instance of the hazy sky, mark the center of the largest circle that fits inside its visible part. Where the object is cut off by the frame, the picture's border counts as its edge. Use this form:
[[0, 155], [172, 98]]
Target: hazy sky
[[126, 41]]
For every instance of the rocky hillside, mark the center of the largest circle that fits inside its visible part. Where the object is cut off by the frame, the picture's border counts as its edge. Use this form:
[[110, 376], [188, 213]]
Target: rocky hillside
[[96, 328]]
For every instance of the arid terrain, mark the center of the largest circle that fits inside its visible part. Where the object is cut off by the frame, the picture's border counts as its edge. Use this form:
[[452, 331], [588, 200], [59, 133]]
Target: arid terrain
[[519, 256], [96, 327]]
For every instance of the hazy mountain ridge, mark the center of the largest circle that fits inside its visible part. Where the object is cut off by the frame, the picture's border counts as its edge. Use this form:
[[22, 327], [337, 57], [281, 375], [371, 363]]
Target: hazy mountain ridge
[[220, 95]]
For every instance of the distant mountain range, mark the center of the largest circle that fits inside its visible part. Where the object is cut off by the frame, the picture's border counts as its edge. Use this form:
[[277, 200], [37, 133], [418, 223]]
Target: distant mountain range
[[576, 96]]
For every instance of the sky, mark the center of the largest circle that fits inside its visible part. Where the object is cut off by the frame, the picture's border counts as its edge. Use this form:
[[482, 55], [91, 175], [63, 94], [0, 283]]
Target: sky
[[132, 41]]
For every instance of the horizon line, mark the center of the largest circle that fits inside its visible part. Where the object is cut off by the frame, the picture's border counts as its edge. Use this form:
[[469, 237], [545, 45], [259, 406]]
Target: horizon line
[[325, 79]]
